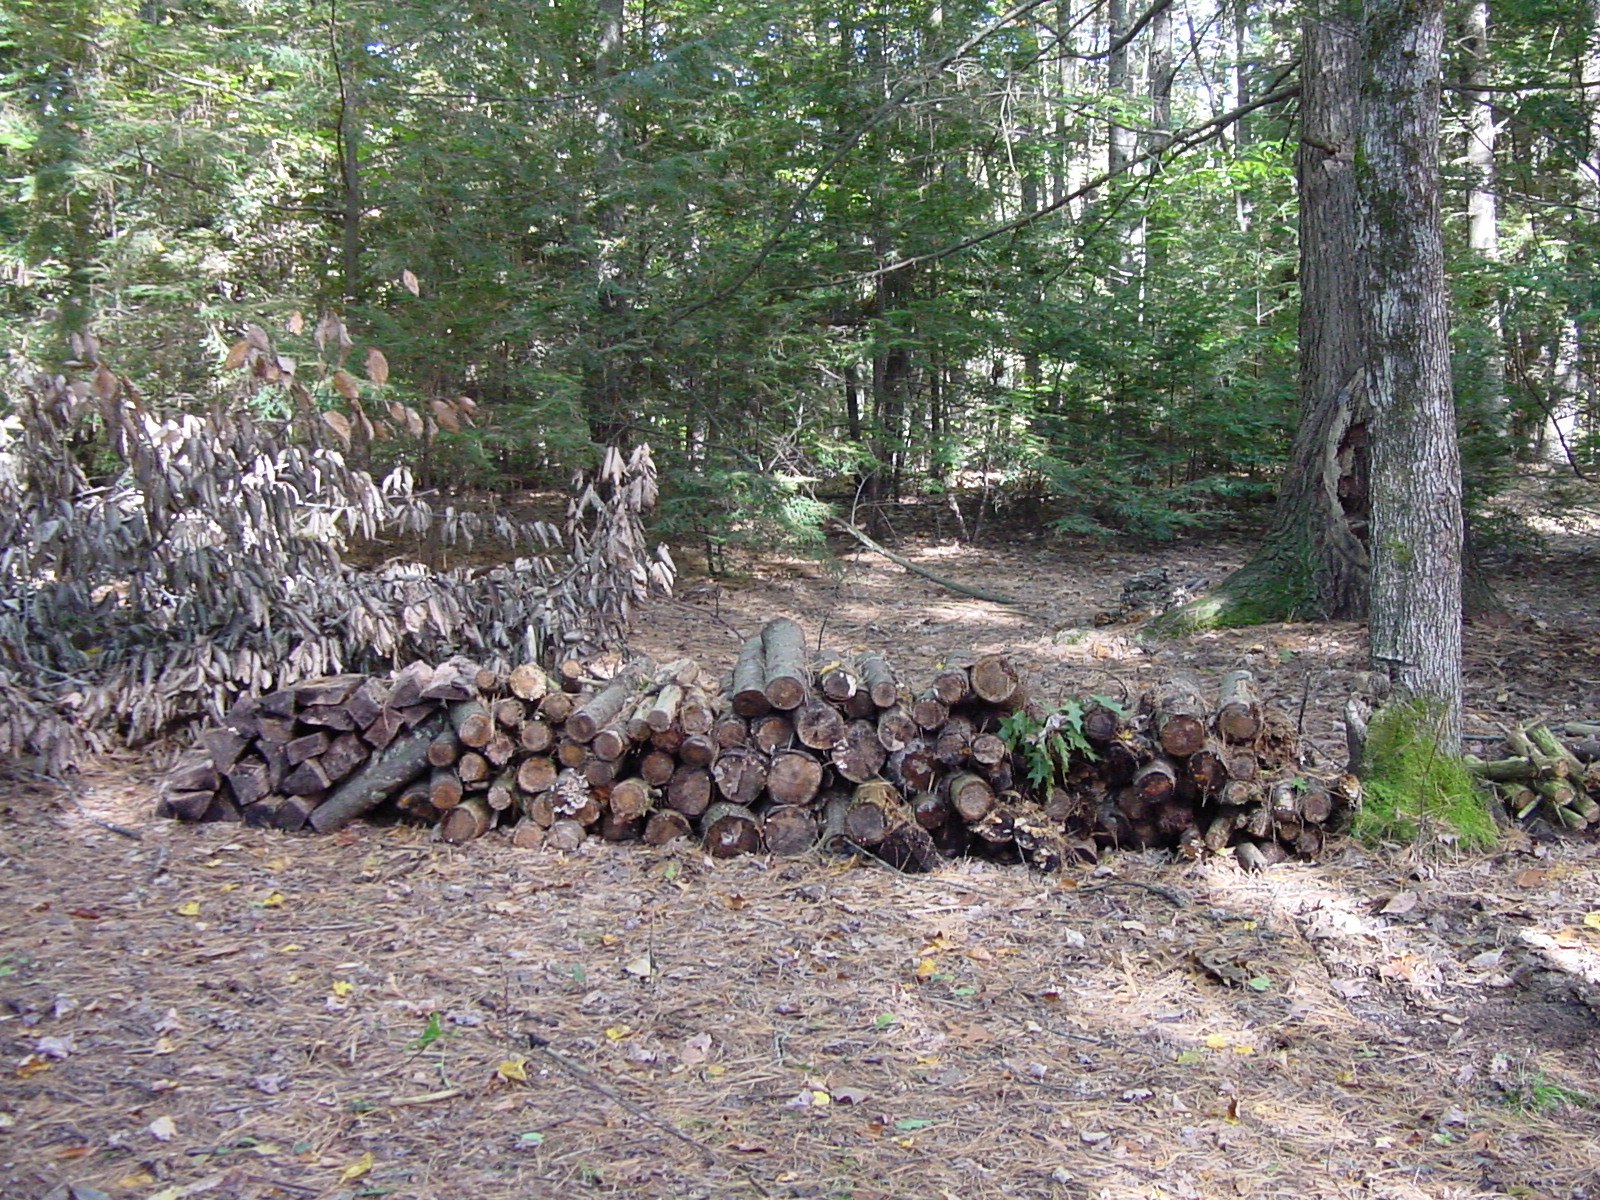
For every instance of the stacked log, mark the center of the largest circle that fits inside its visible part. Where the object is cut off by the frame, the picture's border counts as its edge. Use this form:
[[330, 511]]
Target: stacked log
[[789, 752], [1547, 773]]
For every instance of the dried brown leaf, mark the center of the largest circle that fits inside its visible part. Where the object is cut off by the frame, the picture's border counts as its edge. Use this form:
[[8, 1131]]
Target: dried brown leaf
[[377, 366]]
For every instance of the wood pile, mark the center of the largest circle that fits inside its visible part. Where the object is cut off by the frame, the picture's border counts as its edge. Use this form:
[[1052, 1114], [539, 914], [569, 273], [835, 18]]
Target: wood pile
[[1547, 773], [786, 753]]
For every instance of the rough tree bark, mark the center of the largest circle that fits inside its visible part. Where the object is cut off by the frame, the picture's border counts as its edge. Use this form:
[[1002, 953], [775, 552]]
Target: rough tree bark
[[1416, 532], [1313, 561]]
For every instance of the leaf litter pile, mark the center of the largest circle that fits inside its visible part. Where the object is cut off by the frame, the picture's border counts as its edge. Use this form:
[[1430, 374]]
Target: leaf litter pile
[[226, 1011]]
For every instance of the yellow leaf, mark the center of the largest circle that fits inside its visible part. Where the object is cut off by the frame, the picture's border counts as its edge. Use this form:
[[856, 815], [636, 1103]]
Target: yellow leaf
[[273, 900], [716, 1070], [357, 1169], [820, 1098], [514, 1070], [342, 987], [166, 1193], [189, 908], [926, 968], [1592, 920], [164, 1046], [137, 1179], [936, 943], [1216, 1041], [377, 366], [617, 1032], [32, 1065], [290, 948], [1244, 1049], [609, 939], [236, 355]]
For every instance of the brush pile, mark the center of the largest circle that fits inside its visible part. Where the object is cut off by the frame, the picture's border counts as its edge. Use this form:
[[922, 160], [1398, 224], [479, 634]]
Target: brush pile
[[783, 754], [1547, 773]]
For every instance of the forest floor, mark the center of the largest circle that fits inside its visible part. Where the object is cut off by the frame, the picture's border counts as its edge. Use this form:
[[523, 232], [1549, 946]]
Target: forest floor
[[228, 1012]]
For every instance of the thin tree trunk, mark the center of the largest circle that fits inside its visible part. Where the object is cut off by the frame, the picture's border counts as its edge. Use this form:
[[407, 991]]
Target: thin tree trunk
[[1313, 560], [1415, 619]]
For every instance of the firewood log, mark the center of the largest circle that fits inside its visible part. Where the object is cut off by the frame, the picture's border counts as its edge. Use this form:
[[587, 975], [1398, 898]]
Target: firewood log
[[794, 777], [953, 746], [696, 713], [630, 798], [444, 788], [783, 646], [748, 687], [994, 679], [529, 682], [896, 728], [689, 790], [1180, 715], [566, 835], [789, 829], [876, 808], [444, 749], [527, 836], [536, 773], [472, 818], [665, 825], [970, 795], [836, 680], [929, 712], [818, 724], [859, 755], [1238, 716], [772, 732], [879, 679], [385, 773], [740, 773], [730, 829], [951, 681], [656, 767], [697, 750], [606, 705], [731, 730]]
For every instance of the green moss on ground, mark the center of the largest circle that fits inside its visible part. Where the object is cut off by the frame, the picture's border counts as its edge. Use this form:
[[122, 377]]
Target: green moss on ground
[[1413, 789]]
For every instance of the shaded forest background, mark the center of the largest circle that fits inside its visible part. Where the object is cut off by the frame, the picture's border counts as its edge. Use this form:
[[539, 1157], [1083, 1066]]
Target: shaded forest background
[[1041, 259]]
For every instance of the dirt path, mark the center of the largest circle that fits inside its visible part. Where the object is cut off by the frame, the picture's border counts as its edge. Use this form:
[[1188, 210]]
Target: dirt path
[[216, 1011]]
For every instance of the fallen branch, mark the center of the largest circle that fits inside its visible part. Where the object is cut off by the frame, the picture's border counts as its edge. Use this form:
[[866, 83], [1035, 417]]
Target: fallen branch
[[963, 588]]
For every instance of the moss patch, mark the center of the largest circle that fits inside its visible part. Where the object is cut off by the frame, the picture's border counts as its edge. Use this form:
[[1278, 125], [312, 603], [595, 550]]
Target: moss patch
[[1413, 789], [1271, 588]]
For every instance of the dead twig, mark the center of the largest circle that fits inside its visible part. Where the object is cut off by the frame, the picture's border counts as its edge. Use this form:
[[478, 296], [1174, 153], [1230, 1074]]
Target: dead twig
[[586, 1077]]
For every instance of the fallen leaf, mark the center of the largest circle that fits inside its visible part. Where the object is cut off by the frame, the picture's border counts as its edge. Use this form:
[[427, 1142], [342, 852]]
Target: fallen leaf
[[907, 1124], [696, 1049], [1401, 903], [32, 1065], [617, 1032], [342, 987], [1592, 920], [189, 908], [513, 1070], [849, 1095], [1532, 877], [642, 967], [358, 1168], [163, 1129]]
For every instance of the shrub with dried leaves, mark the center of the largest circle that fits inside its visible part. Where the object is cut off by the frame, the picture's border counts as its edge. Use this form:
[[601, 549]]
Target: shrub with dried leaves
[[152, 567]]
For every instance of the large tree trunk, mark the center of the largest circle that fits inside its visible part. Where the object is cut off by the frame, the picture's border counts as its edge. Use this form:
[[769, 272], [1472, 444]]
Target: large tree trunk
[[1416, 468], [1313, 561]]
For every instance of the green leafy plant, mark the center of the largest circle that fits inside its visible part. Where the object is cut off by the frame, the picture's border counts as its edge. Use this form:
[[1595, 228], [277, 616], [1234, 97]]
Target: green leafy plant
[[431, 1032], [1045, 745]]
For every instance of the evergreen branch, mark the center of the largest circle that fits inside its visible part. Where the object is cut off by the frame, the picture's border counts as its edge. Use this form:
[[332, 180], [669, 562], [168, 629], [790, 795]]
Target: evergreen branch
[[1185, 140]]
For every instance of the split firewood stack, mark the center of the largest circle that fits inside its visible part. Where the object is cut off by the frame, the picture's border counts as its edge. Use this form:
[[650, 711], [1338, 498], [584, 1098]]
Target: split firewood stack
[[786, 753], [1548, 772]]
